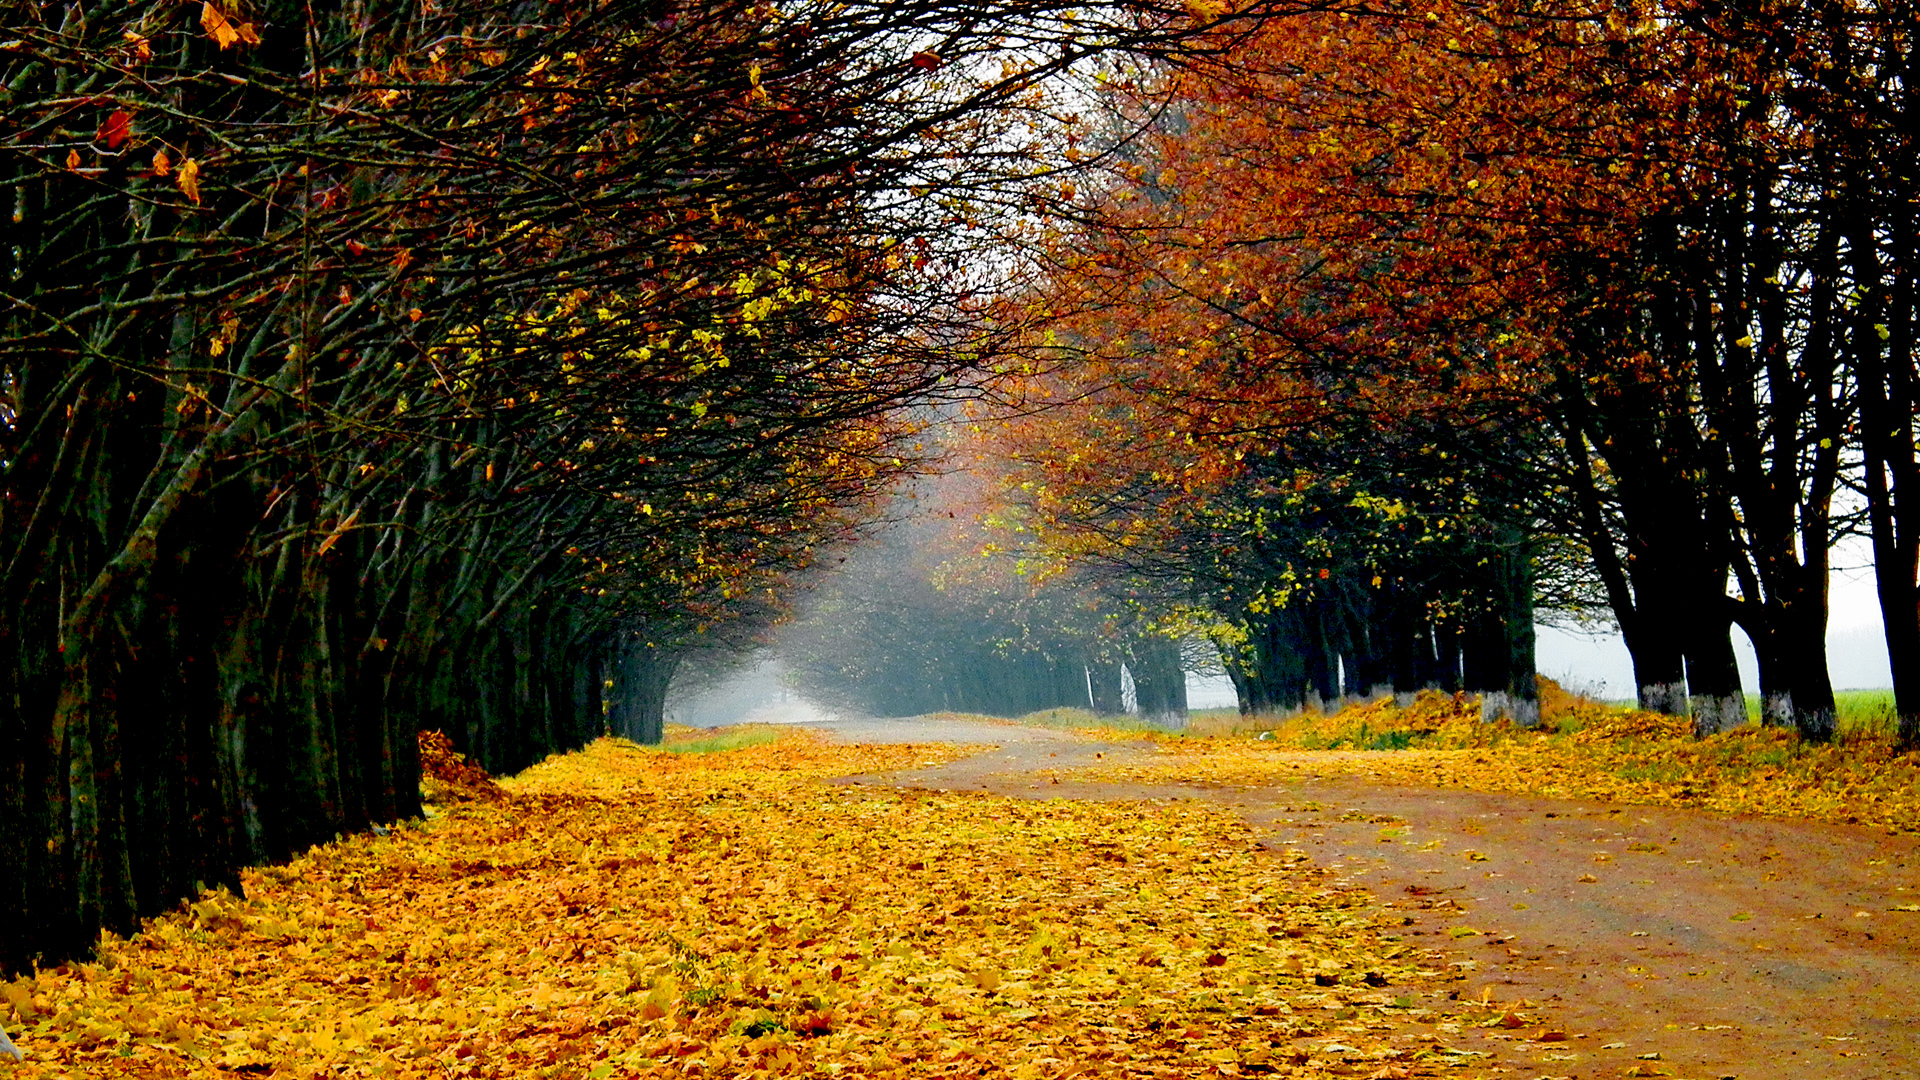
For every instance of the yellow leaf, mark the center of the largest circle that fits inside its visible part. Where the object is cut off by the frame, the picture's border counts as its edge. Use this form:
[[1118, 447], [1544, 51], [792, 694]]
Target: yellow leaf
[[189, 180]]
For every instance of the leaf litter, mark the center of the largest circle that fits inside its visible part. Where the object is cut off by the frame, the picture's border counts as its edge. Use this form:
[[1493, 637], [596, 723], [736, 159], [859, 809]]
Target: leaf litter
[[1583, 751], [624, 912]]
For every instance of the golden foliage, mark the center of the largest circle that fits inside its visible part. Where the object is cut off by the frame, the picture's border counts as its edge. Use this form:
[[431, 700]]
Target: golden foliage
[[447, 776], [625, 912], [1561, 709]]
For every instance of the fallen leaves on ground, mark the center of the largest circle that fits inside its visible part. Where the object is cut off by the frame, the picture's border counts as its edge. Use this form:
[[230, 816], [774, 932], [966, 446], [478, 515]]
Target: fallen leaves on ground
[[1438, 740], [625, 912], [447, 776]]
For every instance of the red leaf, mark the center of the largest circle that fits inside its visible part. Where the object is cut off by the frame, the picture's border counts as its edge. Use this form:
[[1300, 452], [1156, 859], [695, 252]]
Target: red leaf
[[926, 61], [118, 128]]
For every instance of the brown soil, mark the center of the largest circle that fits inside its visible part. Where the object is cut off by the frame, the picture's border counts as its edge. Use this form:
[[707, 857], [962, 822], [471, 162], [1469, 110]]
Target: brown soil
[[1727, 946]]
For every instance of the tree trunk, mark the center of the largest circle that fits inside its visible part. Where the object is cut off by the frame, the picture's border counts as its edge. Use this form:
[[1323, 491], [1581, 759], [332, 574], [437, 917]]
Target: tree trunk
[[1499, 649], [1159, 684]]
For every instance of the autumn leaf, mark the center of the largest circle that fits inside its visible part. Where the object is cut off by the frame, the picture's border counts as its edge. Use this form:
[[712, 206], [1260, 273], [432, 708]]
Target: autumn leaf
[[162, 164], [217, 26], [337, 532], [188, 178], [118, 127]]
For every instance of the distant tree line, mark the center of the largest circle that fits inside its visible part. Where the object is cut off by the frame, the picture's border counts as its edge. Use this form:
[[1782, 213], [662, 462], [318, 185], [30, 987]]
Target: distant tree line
[[921, 620]]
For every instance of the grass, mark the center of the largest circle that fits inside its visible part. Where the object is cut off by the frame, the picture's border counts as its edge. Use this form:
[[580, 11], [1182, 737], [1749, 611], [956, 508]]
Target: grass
[[690, 740], [1866, 711], [1088, 722]]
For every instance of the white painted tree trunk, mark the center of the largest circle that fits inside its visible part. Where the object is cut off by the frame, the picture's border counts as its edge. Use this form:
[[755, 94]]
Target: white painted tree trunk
[[1714, 714], [1669, 698], [9, 1051], [1499, 704]]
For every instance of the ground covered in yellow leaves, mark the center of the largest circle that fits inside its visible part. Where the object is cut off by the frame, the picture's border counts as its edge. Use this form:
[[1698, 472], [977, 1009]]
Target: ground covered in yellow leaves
[[624, 912], [1583, 751]]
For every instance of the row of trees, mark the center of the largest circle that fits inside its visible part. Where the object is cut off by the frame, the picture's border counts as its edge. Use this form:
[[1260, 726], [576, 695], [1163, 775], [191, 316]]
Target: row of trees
[[382, 366], [1397, 308], [1332, 565]]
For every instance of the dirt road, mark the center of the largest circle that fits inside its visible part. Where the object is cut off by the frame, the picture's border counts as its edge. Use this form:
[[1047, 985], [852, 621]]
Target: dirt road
[[1660, 941]]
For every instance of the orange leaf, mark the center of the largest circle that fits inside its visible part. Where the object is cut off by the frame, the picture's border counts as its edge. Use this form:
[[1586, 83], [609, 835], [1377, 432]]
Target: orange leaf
[[425, 984], [73, 159], [217, 27], [162, 164]]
